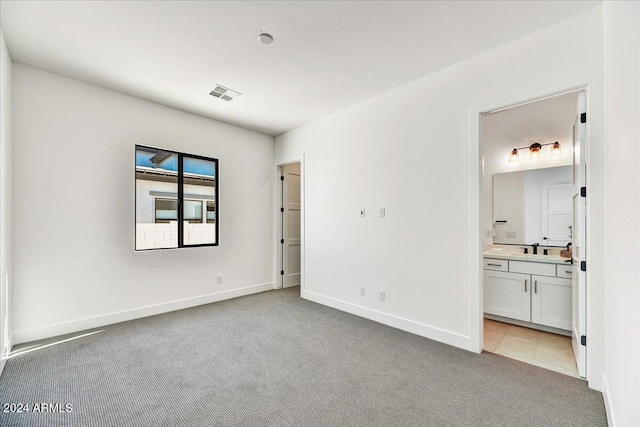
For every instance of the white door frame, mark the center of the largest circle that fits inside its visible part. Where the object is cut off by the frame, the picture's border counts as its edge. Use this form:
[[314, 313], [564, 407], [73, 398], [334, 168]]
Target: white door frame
[[278, 281], [591, 84]]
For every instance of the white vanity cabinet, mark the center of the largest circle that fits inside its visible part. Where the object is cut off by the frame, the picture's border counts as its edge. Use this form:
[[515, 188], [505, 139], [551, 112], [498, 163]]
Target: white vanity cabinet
[[507, 295], [551, 302], [528, 291]]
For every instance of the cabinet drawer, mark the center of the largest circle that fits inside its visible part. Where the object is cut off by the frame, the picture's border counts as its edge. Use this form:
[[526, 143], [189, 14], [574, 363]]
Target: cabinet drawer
[[565, 271], [496, 264], [532, 268]]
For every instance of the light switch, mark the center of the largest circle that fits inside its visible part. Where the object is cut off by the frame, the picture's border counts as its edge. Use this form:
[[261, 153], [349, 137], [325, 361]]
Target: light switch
[[382, 212], [362, 213]]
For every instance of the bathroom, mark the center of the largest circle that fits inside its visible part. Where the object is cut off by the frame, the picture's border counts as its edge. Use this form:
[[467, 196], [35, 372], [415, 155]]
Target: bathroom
[[533, 222]]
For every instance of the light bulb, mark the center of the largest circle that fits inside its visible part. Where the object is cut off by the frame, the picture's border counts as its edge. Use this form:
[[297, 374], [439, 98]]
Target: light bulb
[[556, 150], [513, 157], [534, 151]]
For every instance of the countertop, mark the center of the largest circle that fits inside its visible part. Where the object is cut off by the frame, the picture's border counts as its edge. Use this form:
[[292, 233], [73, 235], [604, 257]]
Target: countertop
[[548, 259]]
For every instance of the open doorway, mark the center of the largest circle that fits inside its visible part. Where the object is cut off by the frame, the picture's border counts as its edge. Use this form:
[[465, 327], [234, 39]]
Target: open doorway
[[533, 219], [290, 226]]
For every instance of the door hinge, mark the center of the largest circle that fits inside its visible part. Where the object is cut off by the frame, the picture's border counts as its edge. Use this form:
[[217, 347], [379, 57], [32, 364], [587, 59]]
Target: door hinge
[[281, 209], [583, 340], [583, 191], [282, 241], [583, 265], [583, 118], [282, 272], [281, 177]]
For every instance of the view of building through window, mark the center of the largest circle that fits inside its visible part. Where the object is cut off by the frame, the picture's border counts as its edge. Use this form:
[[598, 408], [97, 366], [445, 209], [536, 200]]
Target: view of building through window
[[166, 180]]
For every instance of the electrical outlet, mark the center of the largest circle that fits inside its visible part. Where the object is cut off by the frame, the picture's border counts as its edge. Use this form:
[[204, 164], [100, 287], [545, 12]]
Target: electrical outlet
[[362, 291], [488, 234], [219, 280], [383, 296], [382, 212], [362, 213]]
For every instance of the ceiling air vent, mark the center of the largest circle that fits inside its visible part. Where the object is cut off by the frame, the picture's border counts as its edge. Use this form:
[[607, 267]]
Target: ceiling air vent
[[224, 93]]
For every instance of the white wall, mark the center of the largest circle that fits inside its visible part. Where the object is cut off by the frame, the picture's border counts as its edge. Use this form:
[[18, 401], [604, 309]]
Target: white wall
[[622, 71], [506, 204], [74, 174], [5, 200], [409, 150]]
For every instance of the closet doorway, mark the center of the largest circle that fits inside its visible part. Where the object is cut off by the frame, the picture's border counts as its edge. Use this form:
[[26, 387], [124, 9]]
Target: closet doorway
[[290, 226]]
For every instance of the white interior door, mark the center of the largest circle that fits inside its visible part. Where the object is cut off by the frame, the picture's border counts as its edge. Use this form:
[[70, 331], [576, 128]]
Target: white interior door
[[557, 214], [579, 300], [291, 225]]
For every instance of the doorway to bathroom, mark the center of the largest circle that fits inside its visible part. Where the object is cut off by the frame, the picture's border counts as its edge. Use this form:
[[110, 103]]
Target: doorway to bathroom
[[534, 306]]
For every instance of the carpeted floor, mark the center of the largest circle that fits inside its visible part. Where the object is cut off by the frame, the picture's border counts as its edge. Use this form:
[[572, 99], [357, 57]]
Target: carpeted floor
[[273, 359]]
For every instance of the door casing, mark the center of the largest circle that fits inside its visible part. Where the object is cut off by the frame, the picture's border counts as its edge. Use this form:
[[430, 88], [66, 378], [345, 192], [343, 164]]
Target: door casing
[[476, 223]]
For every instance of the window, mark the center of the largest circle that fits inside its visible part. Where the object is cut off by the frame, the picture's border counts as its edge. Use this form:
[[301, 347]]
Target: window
[[176, 199], [193, 211], [211, 212], [166, 210]]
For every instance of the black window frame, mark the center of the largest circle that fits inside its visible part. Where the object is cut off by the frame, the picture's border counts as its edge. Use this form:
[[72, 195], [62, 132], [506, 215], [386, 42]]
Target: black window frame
[[181, 198]]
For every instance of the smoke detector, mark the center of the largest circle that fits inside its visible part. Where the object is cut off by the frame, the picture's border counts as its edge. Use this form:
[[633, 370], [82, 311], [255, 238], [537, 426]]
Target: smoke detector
[[265, 38], [224, 93]]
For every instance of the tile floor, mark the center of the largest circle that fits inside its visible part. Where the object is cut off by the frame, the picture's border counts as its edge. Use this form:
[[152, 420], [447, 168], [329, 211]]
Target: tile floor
[[544, 349]]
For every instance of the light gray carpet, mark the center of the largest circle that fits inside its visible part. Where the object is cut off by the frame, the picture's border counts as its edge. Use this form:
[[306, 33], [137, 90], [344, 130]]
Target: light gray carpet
[[273, 359]]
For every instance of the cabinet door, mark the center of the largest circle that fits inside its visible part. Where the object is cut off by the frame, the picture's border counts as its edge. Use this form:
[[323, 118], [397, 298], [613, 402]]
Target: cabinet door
[[507, 295], [551, 302]]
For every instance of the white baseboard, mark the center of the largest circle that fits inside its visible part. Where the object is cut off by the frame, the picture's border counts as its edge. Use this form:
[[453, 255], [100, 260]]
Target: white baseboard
[[3, 358], [608, 406], [436, 334], [136, 313]]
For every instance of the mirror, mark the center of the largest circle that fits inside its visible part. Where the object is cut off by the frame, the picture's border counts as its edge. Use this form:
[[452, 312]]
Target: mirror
[[533, 206]]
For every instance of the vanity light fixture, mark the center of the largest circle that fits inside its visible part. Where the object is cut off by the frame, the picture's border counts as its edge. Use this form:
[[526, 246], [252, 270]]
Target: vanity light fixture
[[534, 151]]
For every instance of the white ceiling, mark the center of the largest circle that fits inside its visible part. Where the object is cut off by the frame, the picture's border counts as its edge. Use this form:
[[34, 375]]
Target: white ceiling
[[544, 121], [327, 55]]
